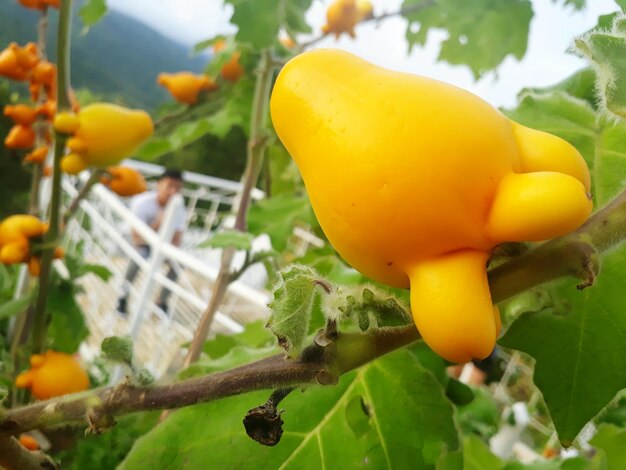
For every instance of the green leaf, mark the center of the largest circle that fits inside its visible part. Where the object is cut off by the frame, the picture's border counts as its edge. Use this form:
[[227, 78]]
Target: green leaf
[[118, 349], [259, 21], [292, 305], [15, 306], [285, 177], [581, 329], [366, 304], [238, 108], [477, 456], [481, 34], [459, 393], [622, 4], [581, 84], [202, 45], [397, 392], [97, 269], [77, 267], [277, 217], [67, 327], [577, 4], [92, 11], [605, 51], [154, 148], [357, 416], [254, 335], [143, 377], [481, 416], [106, 450], [612, 441], [616, 413], [235, 238]]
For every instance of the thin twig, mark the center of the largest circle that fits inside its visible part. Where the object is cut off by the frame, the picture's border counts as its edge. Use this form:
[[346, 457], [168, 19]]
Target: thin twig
[[256, 149], [83, 193]]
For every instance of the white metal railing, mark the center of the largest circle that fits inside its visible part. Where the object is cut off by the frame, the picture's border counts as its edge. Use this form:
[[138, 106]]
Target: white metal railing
[[98, 230]]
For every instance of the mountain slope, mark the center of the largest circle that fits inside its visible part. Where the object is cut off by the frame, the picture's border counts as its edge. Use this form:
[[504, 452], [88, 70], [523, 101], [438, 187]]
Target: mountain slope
[[119, 57]]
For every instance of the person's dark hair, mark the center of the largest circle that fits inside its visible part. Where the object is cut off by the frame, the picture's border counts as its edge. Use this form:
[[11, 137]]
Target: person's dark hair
[[172, 173]]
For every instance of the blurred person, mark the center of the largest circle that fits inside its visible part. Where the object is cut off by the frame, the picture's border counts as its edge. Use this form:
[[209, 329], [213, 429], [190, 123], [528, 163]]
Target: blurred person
[[149, 207]]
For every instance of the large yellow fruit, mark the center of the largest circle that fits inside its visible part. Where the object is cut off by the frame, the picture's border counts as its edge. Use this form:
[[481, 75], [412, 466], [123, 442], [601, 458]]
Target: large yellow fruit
[[108, 133], [415, 181]]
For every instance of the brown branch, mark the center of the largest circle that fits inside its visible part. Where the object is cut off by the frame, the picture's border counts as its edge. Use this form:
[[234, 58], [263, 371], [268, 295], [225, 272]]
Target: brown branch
[[317, 365], [13, 456]]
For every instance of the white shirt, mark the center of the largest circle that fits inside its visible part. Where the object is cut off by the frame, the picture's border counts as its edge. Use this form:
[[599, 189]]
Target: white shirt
[[147, 208]]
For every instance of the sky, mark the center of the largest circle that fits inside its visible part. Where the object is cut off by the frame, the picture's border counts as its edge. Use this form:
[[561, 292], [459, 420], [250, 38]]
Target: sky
[[552, 31]]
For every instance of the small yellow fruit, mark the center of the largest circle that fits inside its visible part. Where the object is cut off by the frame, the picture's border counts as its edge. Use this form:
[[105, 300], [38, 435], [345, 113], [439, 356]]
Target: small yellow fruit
[[66, 123], [73, 164]]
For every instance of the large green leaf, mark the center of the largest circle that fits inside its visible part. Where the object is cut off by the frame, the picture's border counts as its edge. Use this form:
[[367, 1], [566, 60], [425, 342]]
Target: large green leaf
[[579, 343], [481, 33], [391, 413], [259, 21]]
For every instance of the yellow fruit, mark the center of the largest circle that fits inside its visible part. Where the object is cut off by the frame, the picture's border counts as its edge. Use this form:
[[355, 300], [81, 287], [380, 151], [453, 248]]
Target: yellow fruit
[[186, 86], [288, 42], [366, 9], [20, 137], [15, 252], [232, 70], [73, 164], [19, 226], [53, 374], [38, 155], [66, 122], [341, 17], [125, 181], [415, 181], [34, 266], [109, 133], [21, 114]]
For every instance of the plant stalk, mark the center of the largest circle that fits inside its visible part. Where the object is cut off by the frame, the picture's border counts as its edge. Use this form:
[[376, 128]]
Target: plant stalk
[[52, 235], [256, 151]]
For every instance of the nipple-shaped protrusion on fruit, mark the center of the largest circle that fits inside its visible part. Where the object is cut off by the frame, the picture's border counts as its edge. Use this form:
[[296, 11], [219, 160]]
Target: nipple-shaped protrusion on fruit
[[537, 206], [541, 151], [452, 307]]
